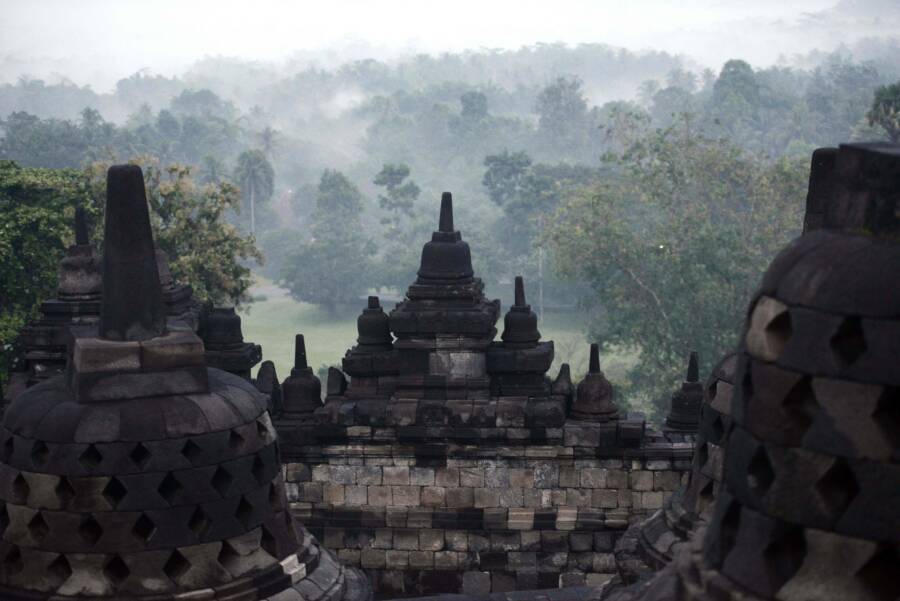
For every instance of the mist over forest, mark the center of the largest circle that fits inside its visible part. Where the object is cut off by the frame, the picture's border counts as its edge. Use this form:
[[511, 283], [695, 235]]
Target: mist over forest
[[640, 191]]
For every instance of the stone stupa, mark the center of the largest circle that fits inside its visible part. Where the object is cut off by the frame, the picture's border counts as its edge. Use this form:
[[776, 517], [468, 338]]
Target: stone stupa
[[808, 505], [143, 474]]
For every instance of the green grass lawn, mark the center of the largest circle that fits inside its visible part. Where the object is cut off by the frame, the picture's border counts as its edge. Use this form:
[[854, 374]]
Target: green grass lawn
[[274, 321], [275, 318]]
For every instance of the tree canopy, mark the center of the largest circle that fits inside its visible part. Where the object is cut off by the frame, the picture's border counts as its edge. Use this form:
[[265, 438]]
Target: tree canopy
[[330, 267], [568, 165], [256, 177], [37, 208], [38, 205], [671, 251], [885, 111]]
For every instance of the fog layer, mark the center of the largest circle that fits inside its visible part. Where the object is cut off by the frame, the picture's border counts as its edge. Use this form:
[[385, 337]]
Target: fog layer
[[97, 42]]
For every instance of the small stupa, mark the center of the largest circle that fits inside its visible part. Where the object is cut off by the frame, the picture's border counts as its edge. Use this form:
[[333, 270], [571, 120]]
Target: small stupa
[[594, 401]]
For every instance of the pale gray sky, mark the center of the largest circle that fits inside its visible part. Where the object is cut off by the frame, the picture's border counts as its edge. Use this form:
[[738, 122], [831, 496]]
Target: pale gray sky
[[100, 41]]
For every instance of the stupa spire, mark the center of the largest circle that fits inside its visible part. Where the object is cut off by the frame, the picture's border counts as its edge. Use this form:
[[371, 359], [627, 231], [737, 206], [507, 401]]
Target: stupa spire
[[520, 322], [300, 352], [693, 371], [374, 328], [301, 392], [594, 399], [132, 307], [81, 232], [684, 409], [446, 221], [447, 257], [520, 292], [594, 361]]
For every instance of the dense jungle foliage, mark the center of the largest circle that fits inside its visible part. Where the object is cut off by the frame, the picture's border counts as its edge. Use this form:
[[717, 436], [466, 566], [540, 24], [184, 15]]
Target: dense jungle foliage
[[633, 187]]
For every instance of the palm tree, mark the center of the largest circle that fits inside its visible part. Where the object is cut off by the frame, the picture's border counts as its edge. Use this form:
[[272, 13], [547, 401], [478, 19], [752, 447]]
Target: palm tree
[[268, 139], [256, 177], [211, 170]]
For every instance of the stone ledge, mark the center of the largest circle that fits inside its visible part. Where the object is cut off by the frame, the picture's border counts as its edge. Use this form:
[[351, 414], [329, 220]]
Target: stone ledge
[[500, 519]]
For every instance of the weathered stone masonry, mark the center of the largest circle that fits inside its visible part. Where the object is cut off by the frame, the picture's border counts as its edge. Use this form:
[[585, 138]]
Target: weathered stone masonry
[[141, 473], [451, 463], [478, 518]]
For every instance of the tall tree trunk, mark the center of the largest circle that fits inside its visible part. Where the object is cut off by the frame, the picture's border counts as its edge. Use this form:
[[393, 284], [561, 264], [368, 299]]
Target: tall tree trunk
[[541, 270], [252, 209]]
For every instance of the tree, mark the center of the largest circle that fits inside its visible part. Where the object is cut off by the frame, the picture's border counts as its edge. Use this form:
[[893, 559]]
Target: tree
[[212, 171], [34, 142], [338, 194], [399, 196], [188, 223], [562, 113], [202, 103], [268, 139], [529, 194], [474, 106], [98, 135], [505, 175], [671, 249], [330, 268], [670, 104], [680, 78], [885, 111], [401, 234], [735, 101], [256, 177], [736, 81], [168, 124], [838, 96], [37, 209], [647, 90]]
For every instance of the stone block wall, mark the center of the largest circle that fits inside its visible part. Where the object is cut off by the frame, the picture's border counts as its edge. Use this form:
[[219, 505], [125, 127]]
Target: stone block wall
[[438, 518]]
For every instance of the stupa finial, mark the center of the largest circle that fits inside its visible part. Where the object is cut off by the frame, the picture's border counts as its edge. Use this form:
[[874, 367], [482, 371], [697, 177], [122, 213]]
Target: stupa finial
[[81, 232], [132, 307], [446, 222], [300, 352], [520, 292], [594, 365], [693, 371]]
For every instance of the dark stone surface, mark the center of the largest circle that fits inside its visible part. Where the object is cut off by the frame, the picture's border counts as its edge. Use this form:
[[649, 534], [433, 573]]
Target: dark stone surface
[[562, 386], [149, 494], [42, 343], [684, 411], [267, 383], [336, 384], [132, 305], [821, 188], [594, 397], [302, 390], [77, 304], [446, 257], [179, 300], [520, 322], [374, 328], [867, 176], [807, 507], [220, 329]]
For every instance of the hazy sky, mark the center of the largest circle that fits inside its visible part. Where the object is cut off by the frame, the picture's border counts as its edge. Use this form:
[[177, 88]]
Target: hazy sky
[[100, 41]]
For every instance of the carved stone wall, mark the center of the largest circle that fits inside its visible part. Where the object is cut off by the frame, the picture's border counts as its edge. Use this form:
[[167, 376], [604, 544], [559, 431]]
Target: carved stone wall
[[439, 517]]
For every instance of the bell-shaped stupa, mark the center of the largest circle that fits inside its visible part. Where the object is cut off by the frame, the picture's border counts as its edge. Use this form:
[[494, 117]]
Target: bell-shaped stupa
[[684, 411], [594, 400], [142, 473], [808, 506]]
